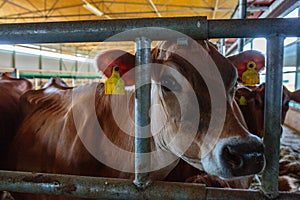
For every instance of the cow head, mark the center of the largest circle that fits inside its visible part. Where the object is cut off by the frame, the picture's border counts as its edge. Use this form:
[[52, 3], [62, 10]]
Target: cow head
[[240, 61], [125, 61], [182, 106], [251, 102]]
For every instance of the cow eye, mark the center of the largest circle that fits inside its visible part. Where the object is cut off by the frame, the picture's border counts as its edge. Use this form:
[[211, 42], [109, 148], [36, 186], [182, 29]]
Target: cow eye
[[168, 83]]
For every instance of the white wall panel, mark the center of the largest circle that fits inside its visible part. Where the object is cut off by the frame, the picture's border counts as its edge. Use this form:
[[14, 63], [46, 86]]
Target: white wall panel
[[6, 59], [68, 65], [25, 61], [50, 63]]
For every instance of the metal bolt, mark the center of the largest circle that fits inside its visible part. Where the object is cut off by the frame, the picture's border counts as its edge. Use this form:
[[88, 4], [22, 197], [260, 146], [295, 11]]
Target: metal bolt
[[198, 24]]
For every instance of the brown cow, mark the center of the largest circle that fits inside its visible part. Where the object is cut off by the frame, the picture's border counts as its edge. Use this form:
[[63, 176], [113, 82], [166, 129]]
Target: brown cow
[[64, 133], [10, 115], [56, 82], [251, 102], [241, 60]]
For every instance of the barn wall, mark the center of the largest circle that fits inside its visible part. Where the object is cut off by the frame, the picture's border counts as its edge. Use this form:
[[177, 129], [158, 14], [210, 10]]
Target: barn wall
[[50, 63], [292, 119], [6, 59], [25, 61], [68, 65], [29, 61]]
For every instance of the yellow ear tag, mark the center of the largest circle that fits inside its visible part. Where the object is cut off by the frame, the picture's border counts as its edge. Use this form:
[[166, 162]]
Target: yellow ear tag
[[250, 77], [115, 84], [242, 101]]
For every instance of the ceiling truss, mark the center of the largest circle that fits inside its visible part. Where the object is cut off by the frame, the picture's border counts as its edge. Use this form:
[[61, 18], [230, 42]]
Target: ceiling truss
[[23, 11]]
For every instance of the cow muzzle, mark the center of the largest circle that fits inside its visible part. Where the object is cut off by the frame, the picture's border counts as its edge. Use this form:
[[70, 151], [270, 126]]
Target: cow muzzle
[[243, 156]]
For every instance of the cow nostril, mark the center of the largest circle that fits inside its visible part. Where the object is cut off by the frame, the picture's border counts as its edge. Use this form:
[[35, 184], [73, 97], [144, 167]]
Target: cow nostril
[[243, 159], [232, 158]]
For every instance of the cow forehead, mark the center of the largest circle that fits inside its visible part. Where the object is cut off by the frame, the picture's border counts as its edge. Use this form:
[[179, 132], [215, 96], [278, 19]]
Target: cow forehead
[[200, 53]]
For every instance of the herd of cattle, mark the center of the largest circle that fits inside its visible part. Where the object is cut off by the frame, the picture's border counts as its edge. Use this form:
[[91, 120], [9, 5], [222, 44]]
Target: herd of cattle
[[42, 130]]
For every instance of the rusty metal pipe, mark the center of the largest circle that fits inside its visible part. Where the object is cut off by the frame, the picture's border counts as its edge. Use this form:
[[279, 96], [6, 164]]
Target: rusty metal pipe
[[95, 187], [142, 107], [242, 15], [100, 30], [252, 28], [109, 188], [242, 194], [272, 116]]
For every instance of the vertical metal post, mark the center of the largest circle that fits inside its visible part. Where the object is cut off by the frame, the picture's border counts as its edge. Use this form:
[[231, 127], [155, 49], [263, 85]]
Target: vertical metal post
[[89, 67], [40, 60], [223, 46], [297, 76], [142, 107], [272, 123], [13, 59], [15, 73], [242, 15], [76, 62], [36, 84], [60, 60]]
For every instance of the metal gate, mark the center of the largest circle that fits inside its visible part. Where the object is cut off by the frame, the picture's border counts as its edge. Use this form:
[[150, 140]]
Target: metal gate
[[275, 30]]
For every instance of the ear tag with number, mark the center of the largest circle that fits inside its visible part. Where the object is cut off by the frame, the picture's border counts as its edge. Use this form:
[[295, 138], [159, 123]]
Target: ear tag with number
[[242, 101], [115, 84], [250, 77]]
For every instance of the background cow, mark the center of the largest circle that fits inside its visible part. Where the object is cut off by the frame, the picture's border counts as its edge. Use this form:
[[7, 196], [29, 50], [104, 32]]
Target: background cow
[[251, 102], [253, 107], [10, 115], [60, 135], [241, 60]]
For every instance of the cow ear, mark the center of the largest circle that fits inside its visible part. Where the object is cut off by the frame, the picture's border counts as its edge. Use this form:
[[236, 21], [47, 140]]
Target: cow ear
[[106, 60], [5, 76], [241, 60], [295, 96]]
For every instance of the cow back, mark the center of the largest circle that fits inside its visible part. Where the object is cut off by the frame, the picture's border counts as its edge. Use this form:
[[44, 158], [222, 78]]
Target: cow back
[[10, 113]]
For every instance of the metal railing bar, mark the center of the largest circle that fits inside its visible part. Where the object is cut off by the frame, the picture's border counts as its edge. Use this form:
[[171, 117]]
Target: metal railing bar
[[110, 188], [100, 30], [272, 115], [195, 27], [142, 107], [252, 28]]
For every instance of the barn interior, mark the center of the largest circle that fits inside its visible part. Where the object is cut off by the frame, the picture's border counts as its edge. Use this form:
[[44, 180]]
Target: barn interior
[[38, 60], [75, 63]]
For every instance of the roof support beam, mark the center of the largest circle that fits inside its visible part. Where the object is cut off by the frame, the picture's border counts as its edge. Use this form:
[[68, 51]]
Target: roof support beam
[[154, 8], [19, 6], [116, 13], [276, 9], [52, 8], [215, 9], [3, 3], [94, 10]]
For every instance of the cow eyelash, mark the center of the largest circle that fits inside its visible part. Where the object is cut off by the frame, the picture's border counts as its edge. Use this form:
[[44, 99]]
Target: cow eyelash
[[169, 84]]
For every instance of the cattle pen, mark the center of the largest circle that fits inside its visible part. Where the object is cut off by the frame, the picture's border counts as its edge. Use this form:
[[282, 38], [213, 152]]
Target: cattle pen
[[274, 30]]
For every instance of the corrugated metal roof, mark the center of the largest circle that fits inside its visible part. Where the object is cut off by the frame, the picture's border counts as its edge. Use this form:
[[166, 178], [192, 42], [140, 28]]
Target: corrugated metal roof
[[66, 10], [22, 11]]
